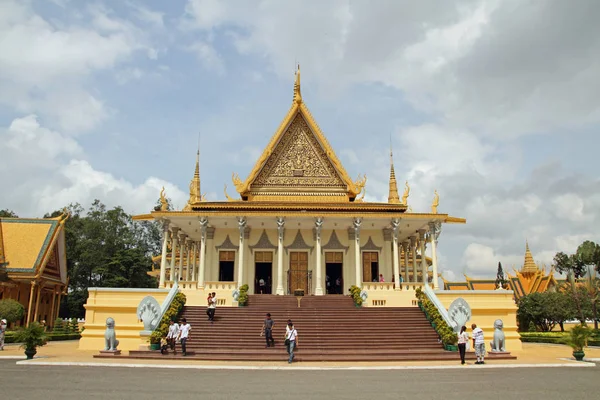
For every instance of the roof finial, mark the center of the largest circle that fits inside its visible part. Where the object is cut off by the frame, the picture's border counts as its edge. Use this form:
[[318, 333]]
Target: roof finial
[[393, 197], [195, 193], [435, 203], [297, 93]]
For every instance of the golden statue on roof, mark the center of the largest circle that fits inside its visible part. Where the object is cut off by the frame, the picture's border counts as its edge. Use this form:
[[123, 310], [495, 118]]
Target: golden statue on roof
[[435, 203], [164, 203]]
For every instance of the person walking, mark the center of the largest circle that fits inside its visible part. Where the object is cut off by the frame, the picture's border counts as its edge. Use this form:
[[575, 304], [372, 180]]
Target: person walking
[[212, 306], [463, 339], [478, 344], [172, 335], [3, 325], [208, 302], [184, 333], [267, 330], [291, 340]]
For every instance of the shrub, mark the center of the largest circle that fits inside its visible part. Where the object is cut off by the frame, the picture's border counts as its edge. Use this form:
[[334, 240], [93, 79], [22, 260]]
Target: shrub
[[578, 337], [11, 310], [243, 296], [74, 326], [59, 327], [444, 331], [172, 313], [355, 293]]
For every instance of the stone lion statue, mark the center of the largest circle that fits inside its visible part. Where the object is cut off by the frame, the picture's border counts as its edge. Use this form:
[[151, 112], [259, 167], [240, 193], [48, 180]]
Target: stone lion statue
[[499, 342], [110, 338]]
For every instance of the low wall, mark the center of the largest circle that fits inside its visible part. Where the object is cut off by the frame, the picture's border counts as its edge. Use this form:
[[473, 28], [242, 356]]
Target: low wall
[[383, 294], [121, 305], [486, 307]]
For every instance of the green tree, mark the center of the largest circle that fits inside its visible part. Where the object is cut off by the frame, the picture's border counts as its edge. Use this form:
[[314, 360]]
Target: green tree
[[558, 308], [6, 213], [11, 310], [106, 248], [589, 255]]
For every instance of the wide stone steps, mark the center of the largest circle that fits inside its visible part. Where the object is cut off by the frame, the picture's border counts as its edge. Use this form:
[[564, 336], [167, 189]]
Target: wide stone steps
[[330, 328]]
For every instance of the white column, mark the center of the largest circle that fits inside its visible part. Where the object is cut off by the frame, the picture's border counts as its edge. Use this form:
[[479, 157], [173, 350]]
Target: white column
[[203, 228], [357, 263], [242, 227], [174, 243], [423, 259], [319, 285], [194, 261], [188, 260], [280, 232], [413, 248], [163, 256], [210, 252], [182, 237], [406, 248], [433, 235], [395, 231]]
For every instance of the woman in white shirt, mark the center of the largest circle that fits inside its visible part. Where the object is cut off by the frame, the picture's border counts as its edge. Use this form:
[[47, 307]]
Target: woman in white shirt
[[463, 339]]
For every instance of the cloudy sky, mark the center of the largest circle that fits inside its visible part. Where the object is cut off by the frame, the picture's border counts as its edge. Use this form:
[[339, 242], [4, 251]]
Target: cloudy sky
[[494, 104]]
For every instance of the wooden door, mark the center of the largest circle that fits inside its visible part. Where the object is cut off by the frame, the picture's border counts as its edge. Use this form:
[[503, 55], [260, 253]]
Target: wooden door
[[369, 258], [298, 271]]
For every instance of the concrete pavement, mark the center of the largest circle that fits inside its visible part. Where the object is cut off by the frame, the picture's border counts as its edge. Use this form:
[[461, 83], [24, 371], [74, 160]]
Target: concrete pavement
[[26, 381]]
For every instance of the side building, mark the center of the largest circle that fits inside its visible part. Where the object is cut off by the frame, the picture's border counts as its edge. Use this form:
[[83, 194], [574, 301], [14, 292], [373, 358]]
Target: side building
[[33, 265]]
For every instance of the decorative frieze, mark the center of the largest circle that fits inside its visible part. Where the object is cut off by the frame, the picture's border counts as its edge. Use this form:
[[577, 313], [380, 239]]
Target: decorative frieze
[[263, 243], [335, 244], [298, 244], [370, 246], [227, 245]]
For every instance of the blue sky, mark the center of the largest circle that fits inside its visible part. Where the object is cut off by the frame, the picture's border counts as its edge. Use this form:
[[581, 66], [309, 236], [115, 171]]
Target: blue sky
[[494, 104]]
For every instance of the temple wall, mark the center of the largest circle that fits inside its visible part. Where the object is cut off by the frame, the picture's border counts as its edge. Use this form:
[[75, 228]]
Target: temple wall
[[121, 305], [21, 292], [486, 307]]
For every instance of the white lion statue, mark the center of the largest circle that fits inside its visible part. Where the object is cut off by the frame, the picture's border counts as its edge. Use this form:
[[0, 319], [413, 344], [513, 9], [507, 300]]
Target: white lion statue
[[499, 342], [110, 338]]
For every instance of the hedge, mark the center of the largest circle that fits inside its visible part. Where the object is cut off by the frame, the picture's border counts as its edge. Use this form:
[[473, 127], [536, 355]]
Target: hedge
[[10, 336], [553, 337], [173, 313]]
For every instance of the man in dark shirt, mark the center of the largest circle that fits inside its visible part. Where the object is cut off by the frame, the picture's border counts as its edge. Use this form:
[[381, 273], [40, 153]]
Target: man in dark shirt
[[268, 330]]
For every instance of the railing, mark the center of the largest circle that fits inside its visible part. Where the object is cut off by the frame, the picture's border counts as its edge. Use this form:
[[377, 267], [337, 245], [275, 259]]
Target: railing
[[438, 304], [378, 303], [182, 284], [411, 285], [220, 286], [378, 286]]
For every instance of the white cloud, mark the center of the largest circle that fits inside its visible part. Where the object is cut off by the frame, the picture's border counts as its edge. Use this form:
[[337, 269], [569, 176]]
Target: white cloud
[[57, 174], [208, 56]]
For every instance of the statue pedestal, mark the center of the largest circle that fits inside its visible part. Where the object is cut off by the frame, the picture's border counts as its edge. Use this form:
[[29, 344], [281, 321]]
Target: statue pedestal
[[145, 336], [110, 353]]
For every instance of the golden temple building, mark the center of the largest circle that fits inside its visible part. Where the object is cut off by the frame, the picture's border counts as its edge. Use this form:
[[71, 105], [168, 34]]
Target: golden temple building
[[33, 265], [298, 223], [529, 279]]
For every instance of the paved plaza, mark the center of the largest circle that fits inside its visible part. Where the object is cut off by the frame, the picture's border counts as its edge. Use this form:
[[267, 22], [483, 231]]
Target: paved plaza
[[22, 381]]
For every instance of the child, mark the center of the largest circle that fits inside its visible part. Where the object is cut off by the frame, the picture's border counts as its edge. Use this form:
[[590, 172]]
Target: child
[[164, 346]]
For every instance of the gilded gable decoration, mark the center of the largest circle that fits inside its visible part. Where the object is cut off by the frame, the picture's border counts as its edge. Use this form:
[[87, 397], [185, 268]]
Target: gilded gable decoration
[[370, 246], [335, 244], [299, 244], [263, 243], [298, 161], [227, 245]]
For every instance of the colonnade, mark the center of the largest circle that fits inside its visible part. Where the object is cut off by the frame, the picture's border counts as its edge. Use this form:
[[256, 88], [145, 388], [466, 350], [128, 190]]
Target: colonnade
[[195, 253]]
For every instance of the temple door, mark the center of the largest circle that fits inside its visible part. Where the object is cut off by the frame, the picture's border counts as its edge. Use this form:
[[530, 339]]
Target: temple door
[[370, 259], [299, 271]]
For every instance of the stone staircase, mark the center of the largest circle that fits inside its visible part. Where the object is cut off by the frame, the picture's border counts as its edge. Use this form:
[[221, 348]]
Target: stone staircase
[[330, 328]]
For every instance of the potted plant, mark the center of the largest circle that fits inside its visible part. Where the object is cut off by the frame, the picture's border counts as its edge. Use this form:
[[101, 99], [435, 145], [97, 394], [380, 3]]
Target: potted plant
[[577, 339], [155, 338], [243, 296], [31, 337]]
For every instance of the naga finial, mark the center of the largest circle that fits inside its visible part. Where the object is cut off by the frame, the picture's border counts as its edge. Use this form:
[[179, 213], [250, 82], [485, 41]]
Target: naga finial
[[164, 203], [406, 193], [229, 198], [360, 182], [435, 203], [237, 181]]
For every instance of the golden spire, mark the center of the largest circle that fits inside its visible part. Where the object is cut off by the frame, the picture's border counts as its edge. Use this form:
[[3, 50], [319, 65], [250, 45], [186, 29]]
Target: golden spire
[[297, 93], [393, 197], [195, 194], [529, 265]]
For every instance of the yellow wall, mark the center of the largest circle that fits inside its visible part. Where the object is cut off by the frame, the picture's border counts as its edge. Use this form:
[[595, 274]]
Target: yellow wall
[[121, 305], [486, 307]]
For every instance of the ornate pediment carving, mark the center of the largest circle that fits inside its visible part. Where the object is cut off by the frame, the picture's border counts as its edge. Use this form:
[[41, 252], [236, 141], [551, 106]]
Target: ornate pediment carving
[[298, 162]]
